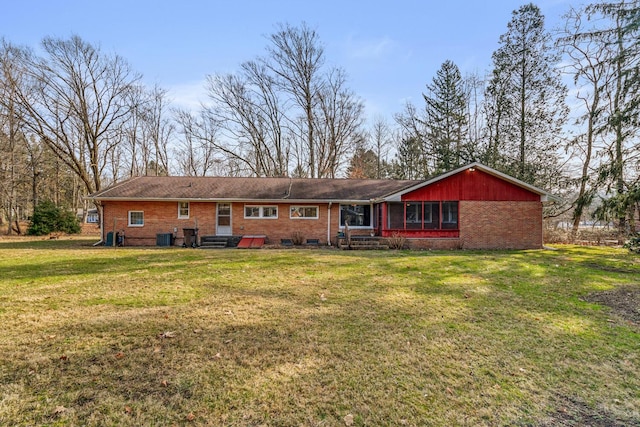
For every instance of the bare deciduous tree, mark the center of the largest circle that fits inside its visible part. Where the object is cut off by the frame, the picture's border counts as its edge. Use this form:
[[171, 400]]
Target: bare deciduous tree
[[76, 103], [249, 109], [12, 138], [198, 153], [158, 130], [620, 30], [587, 60], [280, 114], [296, 56], [338, 124], [381, 141]]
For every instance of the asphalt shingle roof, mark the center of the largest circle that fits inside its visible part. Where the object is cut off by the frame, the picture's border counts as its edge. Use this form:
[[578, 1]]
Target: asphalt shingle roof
[[273, 189]]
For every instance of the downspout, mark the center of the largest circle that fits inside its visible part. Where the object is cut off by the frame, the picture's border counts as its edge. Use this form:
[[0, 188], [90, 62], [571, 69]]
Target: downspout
[[541, 223], [195, 231], [329, 223], [102, 235], [101, 214], [287, 194]]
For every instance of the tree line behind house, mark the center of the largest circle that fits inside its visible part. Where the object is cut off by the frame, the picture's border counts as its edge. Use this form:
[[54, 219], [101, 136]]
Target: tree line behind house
[[74, 118]]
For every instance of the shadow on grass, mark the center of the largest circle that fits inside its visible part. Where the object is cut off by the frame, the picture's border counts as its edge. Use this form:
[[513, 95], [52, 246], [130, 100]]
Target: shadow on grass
[[47, 243], [282, 338]]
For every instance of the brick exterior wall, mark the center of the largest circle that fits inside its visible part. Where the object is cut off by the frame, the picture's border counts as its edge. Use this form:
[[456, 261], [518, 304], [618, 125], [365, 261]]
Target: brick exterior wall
[[283, 227], [500, 225], [159, 217], [434, 243], [162, 217], [483, 224]]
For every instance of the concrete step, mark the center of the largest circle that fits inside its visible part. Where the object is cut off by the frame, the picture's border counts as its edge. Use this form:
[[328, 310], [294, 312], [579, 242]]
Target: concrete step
[[363, 243], [365, 247], [213, 245], [214, 242], [213, 239]]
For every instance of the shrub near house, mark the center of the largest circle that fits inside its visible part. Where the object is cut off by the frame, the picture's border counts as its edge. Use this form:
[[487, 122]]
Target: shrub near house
[[49, 218]]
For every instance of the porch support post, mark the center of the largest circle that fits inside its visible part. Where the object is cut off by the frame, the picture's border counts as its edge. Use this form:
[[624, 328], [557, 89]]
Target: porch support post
[[404, 215], [384, 221]]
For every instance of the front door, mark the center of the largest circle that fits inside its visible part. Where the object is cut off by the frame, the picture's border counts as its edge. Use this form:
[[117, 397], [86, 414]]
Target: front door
[[223, 222]]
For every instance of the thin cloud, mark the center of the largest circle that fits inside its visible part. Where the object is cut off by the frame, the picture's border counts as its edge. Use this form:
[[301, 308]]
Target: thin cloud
[[370, 49], [188, 96]]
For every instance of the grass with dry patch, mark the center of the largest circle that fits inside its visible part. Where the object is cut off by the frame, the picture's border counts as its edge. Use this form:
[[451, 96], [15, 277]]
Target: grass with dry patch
[[102, 336]]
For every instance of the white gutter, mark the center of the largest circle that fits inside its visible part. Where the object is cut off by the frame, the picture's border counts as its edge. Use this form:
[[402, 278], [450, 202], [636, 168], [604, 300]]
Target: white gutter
[[102, 236], [231, 200], [329, 224]]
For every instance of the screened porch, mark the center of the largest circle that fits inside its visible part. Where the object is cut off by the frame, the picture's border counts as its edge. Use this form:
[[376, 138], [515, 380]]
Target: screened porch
[[421, 218]]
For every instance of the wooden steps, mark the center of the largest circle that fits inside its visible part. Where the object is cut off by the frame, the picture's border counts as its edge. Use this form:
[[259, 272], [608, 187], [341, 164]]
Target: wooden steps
[[363, 243], [219, 242]]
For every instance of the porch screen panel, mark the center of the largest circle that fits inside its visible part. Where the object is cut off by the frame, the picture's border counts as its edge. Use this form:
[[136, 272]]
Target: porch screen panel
[[449, 215], [414, 215], [396, 216], [431, 215]]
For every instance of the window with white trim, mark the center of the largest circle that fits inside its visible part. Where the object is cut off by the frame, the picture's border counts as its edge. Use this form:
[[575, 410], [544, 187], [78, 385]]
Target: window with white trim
[[355, 215], [303, 212], [266, 212], [183, 210], [136, 218], [270, 212]]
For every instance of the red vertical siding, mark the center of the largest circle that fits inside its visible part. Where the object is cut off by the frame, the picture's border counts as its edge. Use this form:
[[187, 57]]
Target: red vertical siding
[[472, 185]]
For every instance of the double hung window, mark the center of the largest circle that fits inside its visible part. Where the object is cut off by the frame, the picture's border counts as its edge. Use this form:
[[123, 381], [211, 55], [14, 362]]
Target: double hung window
[[136, 218], [303, 212], [254, 212]]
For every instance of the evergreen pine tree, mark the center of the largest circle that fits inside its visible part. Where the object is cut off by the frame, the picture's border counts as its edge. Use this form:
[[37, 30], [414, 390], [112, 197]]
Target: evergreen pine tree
[[623, 115], [530, 99], [446, 121], [48, 218], [410, 161]]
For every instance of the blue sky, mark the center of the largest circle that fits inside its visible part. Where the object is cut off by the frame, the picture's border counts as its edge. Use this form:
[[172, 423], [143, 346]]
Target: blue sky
[[390, 49]]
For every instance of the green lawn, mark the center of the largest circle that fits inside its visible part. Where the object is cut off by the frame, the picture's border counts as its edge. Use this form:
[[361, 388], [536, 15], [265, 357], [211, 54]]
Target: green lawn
[[103, 336]]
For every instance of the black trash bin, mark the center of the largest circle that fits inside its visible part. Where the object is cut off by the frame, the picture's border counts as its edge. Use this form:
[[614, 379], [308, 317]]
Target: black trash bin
[[190, 237], [120, 238]]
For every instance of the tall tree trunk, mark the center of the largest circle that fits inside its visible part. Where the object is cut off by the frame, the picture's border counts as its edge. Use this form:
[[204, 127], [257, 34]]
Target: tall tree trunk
[[581, 201], [618, 164], [523, 119], [310, 141], [16, 216]]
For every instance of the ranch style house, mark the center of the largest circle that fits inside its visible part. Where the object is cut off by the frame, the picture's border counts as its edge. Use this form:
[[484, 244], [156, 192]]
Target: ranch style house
[[472, 207]]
